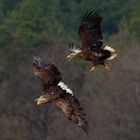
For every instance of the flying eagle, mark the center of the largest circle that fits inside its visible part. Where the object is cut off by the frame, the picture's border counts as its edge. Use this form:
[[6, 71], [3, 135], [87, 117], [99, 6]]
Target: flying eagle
[[92, 42], [55, 91]]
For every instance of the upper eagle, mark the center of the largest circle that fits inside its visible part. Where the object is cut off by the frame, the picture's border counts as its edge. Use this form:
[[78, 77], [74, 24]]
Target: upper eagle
[[92, 42], [55, 91]]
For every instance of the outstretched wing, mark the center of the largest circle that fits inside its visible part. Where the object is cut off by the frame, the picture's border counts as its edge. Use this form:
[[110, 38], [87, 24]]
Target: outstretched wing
[[73, 111], [90, 31], [47, 73], [78, 115]]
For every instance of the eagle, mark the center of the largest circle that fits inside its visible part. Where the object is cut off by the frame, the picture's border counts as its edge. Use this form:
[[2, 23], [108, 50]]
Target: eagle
[[57, 92], [92, 42]]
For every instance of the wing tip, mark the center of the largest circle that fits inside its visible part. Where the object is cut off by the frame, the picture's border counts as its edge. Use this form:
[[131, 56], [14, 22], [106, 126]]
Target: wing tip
[[38, 61], [92, 15], [85, 15], [71, 45], [73, 49], [35, 57], [85, 127]]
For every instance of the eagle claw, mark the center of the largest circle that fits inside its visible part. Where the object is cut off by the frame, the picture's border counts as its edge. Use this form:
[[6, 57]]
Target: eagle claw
[[93, 69], [108, 68]]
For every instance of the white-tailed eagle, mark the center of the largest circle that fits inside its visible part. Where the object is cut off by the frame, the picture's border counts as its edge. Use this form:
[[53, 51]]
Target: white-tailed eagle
[[55, 91], [92, 42]]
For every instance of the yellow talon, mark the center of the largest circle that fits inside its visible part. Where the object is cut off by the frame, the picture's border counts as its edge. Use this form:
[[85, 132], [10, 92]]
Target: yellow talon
[[93, 69], [107, 68]]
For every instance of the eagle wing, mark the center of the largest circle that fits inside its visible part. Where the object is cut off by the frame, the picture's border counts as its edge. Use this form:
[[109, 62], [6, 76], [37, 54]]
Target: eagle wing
[[73, 111], [47, 73], [90, 31]]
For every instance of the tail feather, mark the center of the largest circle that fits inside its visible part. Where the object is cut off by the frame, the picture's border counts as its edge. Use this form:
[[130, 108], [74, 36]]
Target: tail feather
[[112, 51]]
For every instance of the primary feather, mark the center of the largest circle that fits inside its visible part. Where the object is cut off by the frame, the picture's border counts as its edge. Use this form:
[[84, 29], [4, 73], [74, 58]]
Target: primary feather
[[90, 30]]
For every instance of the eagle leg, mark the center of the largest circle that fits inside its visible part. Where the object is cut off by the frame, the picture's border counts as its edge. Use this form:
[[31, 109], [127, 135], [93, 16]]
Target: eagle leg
[[73, 55], [93, 69], [107, 67]]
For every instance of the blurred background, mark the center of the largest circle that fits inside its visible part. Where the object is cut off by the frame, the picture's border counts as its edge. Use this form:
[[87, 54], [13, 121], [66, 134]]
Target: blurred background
[[110, 99]]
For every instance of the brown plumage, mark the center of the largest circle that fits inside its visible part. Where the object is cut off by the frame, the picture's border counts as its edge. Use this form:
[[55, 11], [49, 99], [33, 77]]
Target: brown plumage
[[92, 42], [55, 91]]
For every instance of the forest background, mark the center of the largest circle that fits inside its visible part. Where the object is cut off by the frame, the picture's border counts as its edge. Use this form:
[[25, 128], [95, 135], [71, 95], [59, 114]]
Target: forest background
[[111, 99]]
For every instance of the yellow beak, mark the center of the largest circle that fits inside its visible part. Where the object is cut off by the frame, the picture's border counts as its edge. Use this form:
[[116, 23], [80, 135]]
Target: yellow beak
[[37, 101], [40, 100]]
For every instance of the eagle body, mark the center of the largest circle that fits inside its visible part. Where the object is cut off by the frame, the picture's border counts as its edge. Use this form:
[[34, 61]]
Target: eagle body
[[92, 42], [56, 92], [95, 56]]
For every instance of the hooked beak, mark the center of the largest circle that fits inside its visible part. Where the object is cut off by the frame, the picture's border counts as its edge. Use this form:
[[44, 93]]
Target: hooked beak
[[40, 100], [36, 101]]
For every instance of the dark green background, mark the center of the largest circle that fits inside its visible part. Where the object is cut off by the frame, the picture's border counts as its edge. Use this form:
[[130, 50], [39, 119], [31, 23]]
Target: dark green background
[[111, 100]]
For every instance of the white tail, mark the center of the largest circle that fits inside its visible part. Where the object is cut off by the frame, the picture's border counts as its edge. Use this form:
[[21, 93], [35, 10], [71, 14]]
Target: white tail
[[113, 52]]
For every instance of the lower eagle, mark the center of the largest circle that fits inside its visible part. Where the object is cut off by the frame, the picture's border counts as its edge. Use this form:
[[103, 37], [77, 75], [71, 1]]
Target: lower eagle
[[55, 91]]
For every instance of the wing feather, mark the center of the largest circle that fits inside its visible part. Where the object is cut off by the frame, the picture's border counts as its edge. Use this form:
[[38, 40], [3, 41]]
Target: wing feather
[[90, 30], [73, 111], [47, 73], [79, 114]]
